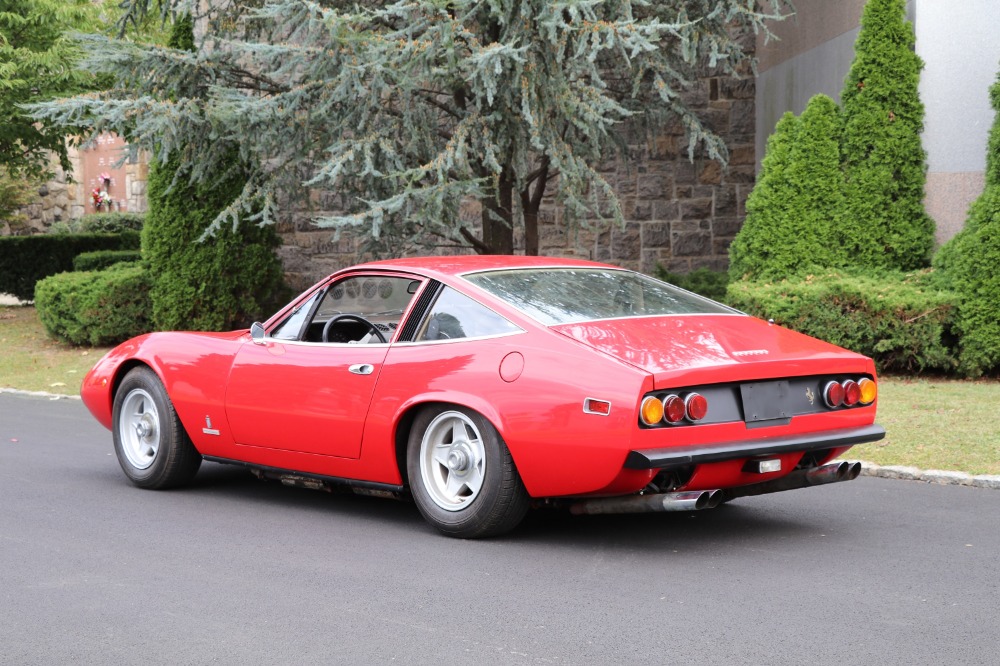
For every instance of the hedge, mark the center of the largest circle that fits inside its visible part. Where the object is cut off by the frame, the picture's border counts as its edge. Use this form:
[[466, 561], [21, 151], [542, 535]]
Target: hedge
[[96, 307], [702, 281], [95, 261], [24, 260], [101, 223], [902, 320]]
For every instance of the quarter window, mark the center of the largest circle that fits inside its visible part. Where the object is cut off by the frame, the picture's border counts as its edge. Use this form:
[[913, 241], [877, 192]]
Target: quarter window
[[455, 315]]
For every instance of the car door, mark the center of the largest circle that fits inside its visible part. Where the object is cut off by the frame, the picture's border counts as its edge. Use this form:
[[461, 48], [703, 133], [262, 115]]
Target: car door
[[303, 394]]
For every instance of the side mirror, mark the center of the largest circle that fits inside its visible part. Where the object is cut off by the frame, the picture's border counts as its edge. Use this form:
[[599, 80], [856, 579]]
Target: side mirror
[[257, 333]]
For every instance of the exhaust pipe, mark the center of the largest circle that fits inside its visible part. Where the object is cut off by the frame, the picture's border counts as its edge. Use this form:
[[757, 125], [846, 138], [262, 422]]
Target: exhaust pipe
[[803, 478], [658, 502]]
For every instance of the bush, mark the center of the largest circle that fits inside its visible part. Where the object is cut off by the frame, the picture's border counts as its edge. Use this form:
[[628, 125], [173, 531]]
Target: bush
[[884, 160], [900, 319], [101, 259], [108, 223], [794, 213], [968, 264], [24, 260], [707, 283], [96, 307]]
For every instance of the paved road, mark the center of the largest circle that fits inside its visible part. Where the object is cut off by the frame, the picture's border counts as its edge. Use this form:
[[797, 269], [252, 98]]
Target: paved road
[[236, 571]]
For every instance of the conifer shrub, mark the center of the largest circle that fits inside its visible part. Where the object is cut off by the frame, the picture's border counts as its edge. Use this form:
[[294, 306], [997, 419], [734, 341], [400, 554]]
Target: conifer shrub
[[794, 213], [217, 283], [96, 307], [884, 160], [968, 264], [903, 321], [95, 261], [702, 281]]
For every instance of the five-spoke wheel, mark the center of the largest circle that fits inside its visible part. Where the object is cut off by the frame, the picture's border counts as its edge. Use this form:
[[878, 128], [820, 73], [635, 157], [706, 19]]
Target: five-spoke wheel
[[139, 428], [461, 474], [152, 447]]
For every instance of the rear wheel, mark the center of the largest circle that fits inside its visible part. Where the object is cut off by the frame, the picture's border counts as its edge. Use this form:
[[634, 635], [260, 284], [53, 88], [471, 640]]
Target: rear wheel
[[152, 447], [461, 474]]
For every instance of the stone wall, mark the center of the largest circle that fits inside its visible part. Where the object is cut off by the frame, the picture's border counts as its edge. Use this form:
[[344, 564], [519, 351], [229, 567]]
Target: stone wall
[[679, 213]]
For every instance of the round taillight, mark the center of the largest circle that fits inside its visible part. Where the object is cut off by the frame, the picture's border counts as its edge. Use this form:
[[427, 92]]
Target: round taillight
[[868, 391], [673, 409], [852, 393], [696, 406], [833, 394], [651, 411]]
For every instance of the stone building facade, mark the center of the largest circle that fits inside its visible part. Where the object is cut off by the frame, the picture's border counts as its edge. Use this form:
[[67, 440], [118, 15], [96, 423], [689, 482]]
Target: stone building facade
[[67, 197]]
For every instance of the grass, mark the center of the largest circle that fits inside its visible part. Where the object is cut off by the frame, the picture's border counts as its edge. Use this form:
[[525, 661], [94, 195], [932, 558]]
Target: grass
[[31, 361], [931, 424], [937, 424]]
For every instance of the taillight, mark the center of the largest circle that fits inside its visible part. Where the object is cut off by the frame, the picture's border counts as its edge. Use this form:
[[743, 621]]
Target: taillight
[[651, 411], [833, 394], [852, 393], [869, 391], [696, 406], [673, 409]]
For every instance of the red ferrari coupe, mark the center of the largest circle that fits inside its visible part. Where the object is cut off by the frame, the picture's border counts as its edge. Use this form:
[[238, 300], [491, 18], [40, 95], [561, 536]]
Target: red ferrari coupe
[[481, 386]]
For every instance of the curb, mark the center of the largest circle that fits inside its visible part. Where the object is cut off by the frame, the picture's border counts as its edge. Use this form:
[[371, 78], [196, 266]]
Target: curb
[[40, 394], [940, 477], [936, 476]]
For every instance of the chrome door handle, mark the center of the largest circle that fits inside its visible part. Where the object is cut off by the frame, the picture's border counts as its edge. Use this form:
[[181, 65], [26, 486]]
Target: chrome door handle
[[362, 368]]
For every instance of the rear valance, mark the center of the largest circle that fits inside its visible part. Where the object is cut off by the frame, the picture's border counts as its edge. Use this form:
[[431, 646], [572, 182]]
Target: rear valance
[[708, 453]]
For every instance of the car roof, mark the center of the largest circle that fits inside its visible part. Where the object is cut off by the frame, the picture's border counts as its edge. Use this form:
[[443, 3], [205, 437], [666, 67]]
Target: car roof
[[457, 265]]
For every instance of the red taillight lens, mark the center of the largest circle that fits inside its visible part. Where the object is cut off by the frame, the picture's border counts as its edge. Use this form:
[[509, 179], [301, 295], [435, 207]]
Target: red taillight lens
[[833, 394], [852, 393], [696, 406], [673, 409]]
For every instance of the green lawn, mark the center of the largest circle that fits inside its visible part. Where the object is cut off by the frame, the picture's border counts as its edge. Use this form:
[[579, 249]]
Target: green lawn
[[31, 361], [938, 424], [931, 424]]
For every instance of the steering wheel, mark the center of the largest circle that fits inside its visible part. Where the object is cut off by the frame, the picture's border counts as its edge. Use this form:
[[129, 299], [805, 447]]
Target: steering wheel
[[351, 317]]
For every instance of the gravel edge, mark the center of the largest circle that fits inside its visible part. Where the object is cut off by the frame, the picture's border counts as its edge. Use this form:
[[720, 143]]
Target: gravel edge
[[938, 476]]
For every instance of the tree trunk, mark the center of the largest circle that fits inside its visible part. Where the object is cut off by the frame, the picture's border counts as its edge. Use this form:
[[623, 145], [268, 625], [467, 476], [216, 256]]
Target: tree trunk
[[531, 232], [498, 214]]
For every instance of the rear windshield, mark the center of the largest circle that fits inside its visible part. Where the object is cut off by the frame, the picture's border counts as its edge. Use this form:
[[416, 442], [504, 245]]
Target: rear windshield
[[570, 295]]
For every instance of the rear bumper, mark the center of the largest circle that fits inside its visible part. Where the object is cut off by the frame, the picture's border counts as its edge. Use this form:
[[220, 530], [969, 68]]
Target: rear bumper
[[695, 455]]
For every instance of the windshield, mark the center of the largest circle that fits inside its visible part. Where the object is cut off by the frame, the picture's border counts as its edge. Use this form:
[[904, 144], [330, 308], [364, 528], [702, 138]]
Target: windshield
[[571, 295]]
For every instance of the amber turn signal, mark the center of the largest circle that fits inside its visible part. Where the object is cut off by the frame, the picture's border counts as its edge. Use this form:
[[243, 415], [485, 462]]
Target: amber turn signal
[[651, 411], [869, 391]]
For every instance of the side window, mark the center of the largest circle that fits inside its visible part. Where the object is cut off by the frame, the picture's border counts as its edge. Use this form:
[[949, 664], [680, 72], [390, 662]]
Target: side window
[[455, 315], [291, 328]]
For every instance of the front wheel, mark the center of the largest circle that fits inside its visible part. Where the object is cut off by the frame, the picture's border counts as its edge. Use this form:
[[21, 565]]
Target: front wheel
[[152, 447], [461, 474]]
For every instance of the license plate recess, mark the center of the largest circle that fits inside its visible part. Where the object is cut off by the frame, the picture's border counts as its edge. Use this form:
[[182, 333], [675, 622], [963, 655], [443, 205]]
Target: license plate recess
[[766, 401]]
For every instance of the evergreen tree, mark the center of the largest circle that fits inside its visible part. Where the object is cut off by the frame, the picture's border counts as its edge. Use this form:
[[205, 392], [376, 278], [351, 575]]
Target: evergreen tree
[[794, 213], [885, 163], [37, 63], [197, 285], [969, 264], [750, 253], [409, 108]]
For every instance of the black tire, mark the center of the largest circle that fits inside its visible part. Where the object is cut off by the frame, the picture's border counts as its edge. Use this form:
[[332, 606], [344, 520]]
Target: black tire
[[461, 474], [152, 446]]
